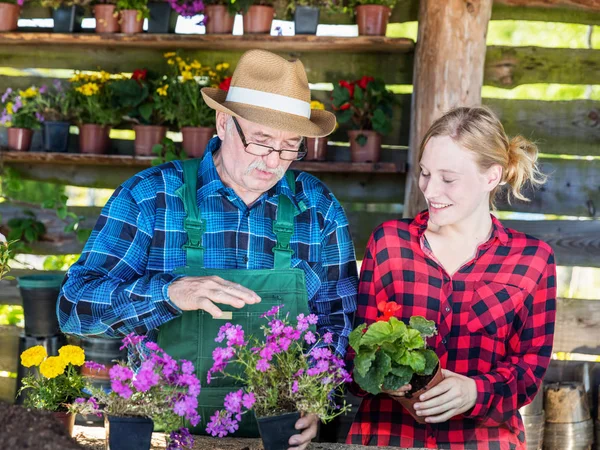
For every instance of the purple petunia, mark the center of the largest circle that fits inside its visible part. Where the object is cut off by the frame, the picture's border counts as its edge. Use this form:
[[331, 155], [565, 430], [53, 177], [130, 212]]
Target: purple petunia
[[310, 338], [272, 312], [233, 401], [131, 340], [262, 365], [6, 95], [328, 338], [221, 424], [248, 400]]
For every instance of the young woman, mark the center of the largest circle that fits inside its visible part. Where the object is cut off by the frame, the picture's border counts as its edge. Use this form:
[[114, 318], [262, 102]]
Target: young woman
[[490, 290]]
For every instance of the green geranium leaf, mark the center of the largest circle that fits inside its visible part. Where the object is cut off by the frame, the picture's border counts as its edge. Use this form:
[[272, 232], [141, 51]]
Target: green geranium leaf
[[399, 329], [146, 111], [425, 327], [413, 340], [392, 382], [358, 95], [356, 336], [381, 122], [344, 116], [340, 96], [431, 361], [373, 380], [403, 373], [414, 359], [363, 362], [378, 333]]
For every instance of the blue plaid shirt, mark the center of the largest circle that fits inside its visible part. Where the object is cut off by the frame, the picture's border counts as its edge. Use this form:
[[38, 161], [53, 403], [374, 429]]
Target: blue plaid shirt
[[120, 283]]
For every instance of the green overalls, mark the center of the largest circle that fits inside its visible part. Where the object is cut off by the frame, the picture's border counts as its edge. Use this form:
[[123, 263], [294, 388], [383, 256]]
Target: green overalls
[[192, 335]]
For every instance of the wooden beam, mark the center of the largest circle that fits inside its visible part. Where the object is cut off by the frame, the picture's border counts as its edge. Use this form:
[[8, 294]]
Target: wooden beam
[[448, 71], [577, 329]]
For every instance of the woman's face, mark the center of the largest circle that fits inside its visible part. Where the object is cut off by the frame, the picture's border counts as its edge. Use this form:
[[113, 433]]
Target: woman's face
[[454, 186]]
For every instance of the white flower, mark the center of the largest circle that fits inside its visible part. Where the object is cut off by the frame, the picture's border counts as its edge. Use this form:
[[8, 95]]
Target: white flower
[[2, 238]]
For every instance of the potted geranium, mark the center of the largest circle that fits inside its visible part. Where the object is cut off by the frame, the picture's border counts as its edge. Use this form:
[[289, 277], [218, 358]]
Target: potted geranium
[[93, 110], [9, 14], [390, 354], [162, 391], [164, 13], [67, 14], [180, 100], [58, 383], [54, 106], [219, 16], [372, 16], [258, 15], [132, 15], [279, 377], [19, 115], [107, 17], [137, 97], [367, 106]]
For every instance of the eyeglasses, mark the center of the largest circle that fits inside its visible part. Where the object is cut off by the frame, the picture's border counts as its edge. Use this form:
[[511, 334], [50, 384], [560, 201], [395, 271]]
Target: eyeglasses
[[264, 150]]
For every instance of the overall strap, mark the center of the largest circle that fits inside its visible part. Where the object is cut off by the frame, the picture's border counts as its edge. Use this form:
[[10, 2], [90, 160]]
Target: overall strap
[[193, 223], [284, 227]]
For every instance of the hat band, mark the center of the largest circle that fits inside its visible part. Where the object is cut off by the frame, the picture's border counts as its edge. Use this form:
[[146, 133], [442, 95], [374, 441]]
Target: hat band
[[269, 100]]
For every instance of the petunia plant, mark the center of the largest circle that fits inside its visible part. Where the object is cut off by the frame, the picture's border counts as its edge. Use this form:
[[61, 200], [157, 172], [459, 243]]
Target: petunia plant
[[292, 369], [18, 108], [59, 383], [161, 389]]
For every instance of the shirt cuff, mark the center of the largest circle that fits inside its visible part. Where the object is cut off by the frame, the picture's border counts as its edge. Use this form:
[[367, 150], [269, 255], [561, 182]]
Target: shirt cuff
[[171, 307], [484, 395]]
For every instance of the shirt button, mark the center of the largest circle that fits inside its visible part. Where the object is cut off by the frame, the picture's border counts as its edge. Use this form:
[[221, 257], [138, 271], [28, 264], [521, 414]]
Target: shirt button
[[443, 341], [245, 259], [447, 309]]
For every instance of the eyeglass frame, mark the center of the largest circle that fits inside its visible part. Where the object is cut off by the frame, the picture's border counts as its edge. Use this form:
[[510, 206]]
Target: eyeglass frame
[[301, 153]]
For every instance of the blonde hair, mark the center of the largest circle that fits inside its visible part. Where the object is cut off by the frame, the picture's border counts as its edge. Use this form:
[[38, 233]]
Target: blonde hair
[[479, 130]]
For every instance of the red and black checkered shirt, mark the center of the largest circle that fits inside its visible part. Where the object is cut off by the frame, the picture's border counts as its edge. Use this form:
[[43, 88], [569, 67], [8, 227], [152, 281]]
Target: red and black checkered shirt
[[495, 319]]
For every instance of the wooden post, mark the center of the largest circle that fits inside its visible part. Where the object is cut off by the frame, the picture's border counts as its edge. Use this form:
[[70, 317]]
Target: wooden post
[[448, 72]]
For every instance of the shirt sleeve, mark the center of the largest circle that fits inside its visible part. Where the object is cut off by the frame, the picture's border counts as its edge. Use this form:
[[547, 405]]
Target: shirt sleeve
[[516, 380], [335, 301], [108, 291]]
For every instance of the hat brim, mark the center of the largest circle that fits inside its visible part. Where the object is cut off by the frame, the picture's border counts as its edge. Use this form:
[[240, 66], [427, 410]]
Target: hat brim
[[320, 124]]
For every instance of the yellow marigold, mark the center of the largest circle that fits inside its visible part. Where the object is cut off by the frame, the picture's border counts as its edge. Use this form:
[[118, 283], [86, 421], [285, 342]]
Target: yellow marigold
[[187, 75], [162, 91], [178, 59], [195, 65], [212, 74], [169, 54], [9, 108], [53, 367], [88, 89], [33, 356], [30, 92], [104, 76], [315, 104], [219, 67], [225, 66], [170, 62], [72, 354]]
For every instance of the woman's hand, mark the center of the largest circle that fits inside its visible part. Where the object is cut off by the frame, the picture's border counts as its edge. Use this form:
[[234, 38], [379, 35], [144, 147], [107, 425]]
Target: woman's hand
[[453, 396]]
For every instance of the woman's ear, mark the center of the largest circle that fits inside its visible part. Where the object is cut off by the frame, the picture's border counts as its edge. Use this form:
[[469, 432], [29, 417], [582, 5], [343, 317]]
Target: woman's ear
[[494, 177]]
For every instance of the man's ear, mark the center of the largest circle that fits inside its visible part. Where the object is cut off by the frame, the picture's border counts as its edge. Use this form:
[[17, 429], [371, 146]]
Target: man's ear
[[221, 123]]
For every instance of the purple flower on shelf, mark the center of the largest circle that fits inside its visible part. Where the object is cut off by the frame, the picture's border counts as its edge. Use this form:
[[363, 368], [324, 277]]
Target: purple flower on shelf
[[187, 8], [39, 117], [43, 89], [279, 31], [4, 118], [6, 94], [18, 104]]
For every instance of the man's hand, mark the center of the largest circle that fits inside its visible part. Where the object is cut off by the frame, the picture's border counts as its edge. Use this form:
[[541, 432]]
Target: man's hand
[[399, 392], [309, 424], [454, 395], [193, 293]]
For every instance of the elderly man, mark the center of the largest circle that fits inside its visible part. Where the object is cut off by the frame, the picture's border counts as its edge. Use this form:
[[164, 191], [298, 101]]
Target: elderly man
[[182, 247]]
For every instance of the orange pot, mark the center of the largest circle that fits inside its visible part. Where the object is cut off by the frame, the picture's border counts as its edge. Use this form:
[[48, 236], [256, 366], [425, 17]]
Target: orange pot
[[217, 19], [106, 19], [130, 23], [67, 419], [409, 403], [195, 140], [372, 20], [316, 149], [370, 151], [258, 19], [146, 137], [19, 139], [9, 16], [93, 138]]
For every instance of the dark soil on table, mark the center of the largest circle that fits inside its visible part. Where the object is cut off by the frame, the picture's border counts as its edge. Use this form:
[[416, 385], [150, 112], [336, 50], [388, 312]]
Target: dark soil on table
[[24, 428]]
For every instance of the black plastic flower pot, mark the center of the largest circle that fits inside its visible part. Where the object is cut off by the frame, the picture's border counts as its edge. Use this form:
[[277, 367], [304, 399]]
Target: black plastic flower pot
[[306, 20], [67, 19], [163, 18], [56, 136], [128, 433], [276, 431], [39, 294]]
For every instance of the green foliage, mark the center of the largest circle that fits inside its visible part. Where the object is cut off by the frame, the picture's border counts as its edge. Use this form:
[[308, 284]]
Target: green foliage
[[92, 99], [54, 104], [141, 6], [25, 230], [389, 353], [242, 6], [11, 314], [389, 3], [55, 4], [135, 98], [6, 254], [18, 108], [60, 262], [167, 151]]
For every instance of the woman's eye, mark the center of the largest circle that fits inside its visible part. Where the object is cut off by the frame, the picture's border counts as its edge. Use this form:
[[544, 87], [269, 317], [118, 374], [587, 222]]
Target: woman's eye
[[449, 181], [423, 174]]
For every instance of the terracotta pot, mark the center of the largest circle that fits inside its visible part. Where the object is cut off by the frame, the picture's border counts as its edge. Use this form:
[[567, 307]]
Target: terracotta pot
[[19, 139], [258, 19], [93, 139], [372, 20], [147, 136], [370, 151], [130, 23], [195, 140], [409, 403], [316, 149], [9, 16], [217, 19], [67, 419], [102, 374], [106, 19]]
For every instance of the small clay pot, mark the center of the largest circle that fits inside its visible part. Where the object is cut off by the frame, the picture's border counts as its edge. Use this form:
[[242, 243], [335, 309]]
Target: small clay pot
[[106, 19], [409, 403], [372, 20]]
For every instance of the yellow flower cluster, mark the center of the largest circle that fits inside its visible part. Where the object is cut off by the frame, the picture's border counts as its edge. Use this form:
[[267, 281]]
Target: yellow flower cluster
[[162, 91], [221, 67], [33, 356], [88, 89], [315, 104], [9, 108], [53, 366], [72, 354], [30, 92], [101, 77]]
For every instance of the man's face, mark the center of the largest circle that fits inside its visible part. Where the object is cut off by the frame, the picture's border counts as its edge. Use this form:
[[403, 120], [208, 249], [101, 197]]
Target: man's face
[[244, 171]]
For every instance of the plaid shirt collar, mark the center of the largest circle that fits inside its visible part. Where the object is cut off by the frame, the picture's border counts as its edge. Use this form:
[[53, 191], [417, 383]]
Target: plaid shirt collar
[[210, 182]]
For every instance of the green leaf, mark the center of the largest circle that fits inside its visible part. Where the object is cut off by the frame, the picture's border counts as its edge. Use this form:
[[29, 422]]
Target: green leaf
[[340, 96], [146, 110], [413, 340], [431, 361], [399, 329], [425, 327], [392, 382], [83, 234], [157, 148], [70, 227], [361, 139], [30, 235], [377, 334], [414, 359], [373, 380], [358, 95], [363, 361], [404, 373], [381, 123], [62, 212], [344, 116], [356, 336]]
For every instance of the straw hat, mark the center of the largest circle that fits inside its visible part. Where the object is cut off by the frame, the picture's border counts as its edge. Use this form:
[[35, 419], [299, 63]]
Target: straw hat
[[269, 90]]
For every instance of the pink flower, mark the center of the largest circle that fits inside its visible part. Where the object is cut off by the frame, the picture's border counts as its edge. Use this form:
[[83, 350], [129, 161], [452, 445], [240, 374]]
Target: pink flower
[[295, 387], [248, 400], [272, 312], [310, 338], [262, 365], [328, 338]]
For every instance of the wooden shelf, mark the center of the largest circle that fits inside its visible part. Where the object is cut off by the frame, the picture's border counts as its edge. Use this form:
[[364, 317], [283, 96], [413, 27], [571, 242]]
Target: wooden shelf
[[145, 161], [370, 44]]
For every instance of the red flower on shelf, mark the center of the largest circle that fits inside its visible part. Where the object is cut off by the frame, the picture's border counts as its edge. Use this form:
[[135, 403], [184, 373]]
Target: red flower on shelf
[[139, 74], [388, 309], [349, 86], [362, 83], [224, 85]]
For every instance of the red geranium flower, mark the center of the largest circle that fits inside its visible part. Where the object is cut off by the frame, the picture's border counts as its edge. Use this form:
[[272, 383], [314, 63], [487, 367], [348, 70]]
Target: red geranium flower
[[345, 106], [349, 86], [364, 81], [388, 309], [139, 74], [224, 85]]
